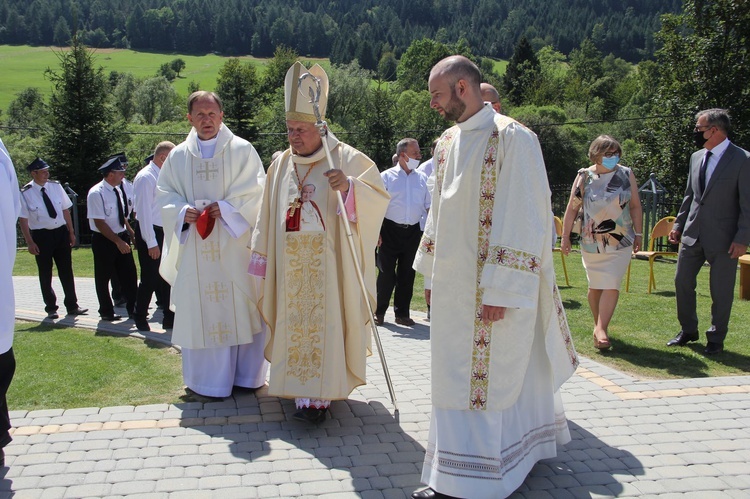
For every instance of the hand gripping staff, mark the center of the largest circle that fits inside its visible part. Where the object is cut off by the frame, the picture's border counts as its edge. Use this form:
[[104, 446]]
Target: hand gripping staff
[[322, 126]]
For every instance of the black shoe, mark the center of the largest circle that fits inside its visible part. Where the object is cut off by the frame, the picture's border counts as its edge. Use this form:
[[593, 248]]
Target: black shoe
[[405, 321], [713, 348], [78, 311], [682, 338], [310, 415], [111, 317], [52, 315], [167, 323], [379, 319], [142, 325], [202, 398], [428, 493]]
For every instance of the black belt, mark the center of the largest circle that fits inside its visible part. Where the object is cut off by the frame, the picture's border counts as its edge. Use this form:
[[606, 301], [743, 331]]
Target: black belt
[[400, 226], [56, 228]]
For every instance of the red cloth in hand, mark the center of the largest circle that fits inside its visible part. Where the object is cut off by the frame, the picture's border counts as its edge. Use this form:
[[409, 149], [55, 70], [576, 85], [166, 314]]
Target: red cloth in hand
[[205, 224]]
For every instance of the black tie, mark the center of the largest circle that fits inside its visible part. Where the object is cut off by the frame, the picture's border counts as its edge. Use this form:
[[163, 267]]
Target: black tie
[[124, 201], [48, 203], [120, 212], [702, 174]]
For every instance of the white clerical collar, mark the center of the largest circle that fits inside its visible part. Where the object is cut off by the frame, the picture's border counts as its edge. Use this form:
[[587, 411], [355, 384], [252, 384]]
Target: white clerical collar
[[478, 119], [207, 147]]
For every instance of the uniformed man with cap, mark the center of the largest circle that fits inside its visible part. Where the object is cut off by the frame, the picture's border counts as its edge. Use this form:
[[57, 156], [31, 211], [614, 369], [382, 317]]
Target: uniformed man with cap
[[127, 192], [111, 240], [48, 229]]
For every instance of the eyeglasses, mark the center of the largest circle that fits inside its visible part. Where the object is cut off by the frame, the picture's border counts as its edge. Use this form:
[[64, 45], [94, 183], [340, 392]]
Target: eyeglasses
[[702, 128], [610, 154]]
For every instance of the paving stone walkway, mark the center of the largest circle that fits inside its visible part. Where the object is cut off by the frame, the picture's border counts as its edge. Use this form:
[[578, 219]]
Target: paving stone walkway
[[631, 438]]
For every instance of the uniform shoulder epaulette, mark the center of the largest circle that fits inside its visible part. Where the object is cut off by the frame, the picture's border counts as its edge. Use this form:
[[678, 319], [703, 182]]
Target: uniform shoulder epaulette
[[26, 187], [53, 181]]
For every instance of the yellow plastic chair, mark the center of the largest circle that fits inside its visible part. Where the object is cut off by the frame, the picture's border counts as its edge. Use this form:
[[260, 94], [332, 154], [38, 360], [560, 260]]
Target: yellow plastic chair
[[662, 229], [558, 231]]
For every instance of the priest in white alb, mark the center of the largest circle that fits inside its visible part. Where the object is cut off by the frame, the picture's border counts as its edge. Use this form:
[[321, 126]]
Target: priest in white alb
[[500, 342], [311, 300], [10, 208], [210, 188]]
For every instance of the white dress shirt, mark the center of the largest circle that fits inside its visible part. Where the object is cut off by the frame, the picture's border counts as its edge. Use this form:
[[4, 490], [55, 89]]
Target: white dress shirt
[[101, 204], [35, 211], [410, 197], [147, 212]]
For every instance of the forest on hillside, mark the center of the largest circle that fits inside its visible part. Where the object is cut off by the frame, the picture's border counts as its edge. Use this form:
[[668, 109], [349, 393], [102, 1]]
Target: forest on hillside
[[368, 31]]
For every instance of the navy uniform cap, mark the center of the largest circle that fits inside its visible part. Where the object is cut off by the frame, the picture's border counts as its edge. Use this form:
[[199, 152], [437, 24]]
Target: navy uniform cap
[[123, 158], [37, 164], [112, 165], [149, 159]]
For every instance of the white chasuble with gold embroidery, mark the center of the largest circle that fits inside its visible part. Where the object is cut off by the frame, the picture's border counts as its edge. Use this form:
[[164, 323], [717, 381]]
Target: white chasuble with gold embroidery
[[212, 295], [491, 205], [311, 300]]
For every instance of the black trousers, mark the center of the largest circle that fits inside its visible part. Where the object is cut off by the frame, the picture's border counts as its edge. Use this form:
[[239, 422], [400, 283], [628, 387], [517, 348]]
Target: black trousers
[[7, 369], [54, 246], [151, 280], [108, 261], [399, 244]]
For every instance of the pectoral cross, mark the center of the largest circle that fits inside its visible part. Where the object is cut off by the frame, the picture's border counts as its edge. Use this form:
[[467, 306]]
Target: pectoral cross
[[293, 206]]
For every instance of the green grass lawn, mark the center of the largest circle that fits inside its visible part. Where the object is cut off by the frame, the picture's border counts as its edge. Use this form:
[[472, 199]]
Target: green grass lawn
[[24, 66], [643, 323], [62, 368]]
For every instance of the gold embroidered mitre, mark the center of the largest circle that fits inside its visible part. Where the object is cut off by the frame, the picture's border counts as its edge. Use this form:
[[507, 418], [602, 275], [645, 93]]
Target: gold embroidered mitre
[[297, 97]]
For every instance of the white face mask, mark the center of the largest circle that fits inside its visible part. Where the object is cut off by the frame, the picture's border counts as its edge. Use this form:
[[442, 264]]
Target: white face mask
[[412, 163]]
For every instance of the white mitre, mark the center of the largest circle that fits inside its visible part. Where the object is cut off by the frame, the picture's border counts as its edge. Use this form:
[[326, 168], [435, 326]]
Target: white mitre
[[297, 98]]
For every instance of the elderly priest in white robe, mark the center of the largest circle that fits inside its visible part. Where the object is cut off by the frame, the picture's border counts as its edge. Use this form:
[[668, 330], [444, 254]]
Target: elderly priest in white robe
[[210, 188], [318, 319], [501, 346]]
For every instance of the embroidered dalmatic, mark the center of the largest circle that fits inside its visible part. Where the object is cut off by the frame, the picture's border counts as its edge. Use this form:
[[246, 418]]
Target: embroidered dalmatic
[[487, 242], [311, 299], [212, 295]]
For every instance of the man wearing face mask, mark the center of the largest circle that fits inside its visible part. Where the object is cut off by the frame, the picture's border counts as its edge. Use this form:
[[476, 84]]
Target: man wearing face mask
[[401, 232], [713, 225]]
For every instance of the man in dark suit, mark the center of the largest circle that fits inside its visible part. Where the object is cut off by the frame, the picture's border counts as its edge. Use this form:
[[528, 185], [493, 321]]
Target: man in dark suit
[[714, 225]]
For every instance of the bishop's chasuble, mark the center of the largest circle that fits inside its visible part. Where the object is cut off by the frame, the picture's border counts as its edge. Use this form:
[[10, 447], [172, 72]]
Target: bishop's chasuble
[[212, 295], [487, 241], [311, 299]]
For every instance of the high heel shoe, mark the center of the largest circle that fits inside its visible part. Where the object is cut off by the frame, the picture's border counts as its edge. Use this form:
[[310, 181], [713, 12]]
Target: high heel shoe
[[601, 344]]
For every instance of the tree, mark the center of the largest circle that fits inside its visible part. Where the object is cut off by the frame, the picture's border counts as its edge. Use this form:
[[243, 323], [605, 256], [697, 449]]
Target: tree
[[702, 64], [348, 84], [522, 74], [83, 123], [27, 110], [416, 63], [156, 101], [177, 66], [167, 72], [61, 36], [276, 68], [238, 86]]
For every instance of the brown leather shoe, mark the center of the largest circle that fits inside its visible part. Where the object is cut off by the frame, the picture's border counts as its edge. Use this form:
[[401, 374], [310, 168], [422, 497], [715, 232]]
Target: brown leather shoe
[[379, 319], [405, 321]]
